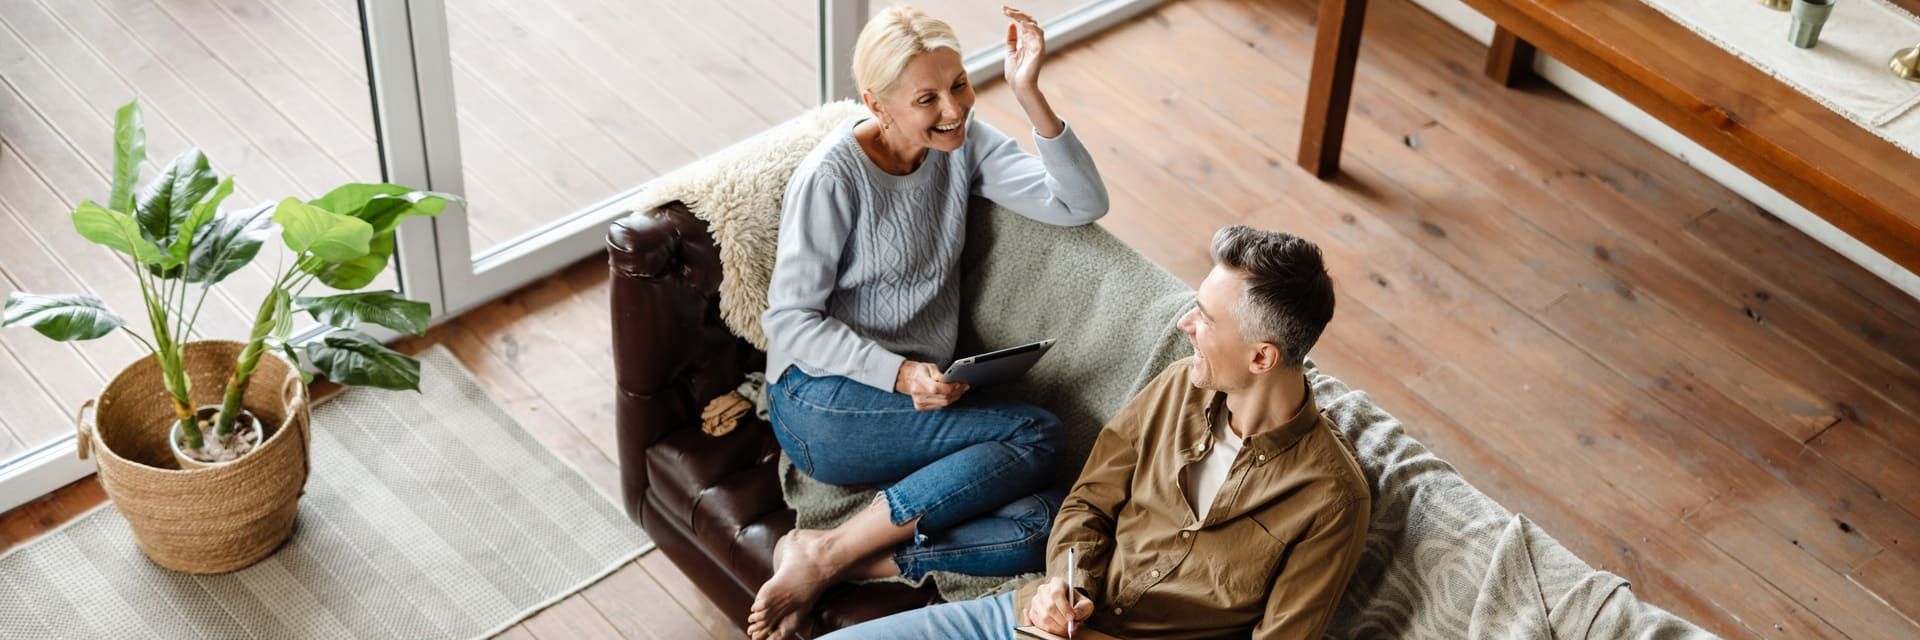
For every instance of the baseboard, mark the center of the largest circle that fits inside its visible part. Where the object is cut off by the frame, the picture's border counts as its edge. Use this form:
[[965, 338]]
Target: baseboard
[[1615, 108]]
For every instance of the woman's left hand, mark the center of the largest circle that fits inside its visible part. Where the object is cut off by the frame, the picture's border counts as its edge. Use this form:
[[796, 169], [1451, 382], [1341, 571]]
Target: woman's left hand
[[1026, 47]]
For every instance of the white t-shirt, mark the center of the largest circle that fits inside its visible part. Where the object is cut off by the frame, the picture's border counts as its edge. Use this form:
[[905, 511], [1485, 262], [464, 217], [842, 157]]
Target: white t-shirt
[[1202, 479]]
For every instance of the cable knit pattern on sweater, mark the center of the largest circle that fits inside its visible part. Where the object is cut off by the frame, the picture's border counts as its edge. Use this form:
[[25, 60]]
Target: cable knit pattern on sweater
[[866, 272]]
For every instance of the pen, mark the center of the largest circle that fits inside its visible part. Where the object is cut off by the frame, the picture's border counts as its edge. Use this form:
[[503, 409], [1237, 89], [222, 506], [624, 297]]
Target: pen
[[1071, 591]]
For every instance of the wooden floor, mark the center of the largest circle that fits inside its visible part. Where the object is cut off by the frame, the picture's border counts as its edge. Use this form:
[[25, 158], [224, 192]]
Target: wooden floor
[[1682, 389]]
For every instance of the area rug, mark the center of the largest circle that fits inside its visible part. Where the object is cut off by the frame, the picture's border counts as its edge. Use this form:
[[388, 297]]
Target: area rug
[[428, 515]]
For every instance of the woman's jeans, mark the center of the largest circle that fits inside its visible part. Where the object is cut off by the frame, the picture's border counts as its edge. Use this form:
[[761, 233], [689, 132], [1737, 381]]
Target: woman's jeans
[[976, 473]]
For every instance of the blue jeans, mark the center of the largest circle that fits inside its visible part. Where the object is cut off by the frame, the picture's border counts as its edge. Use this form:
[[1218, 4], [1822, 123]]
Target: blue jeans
[[976, 473], [984, 619]]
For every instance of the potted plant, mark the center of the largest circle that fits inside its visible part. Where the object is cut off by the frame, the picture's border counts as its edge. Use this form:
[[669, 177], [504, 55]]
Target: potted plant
[[208, 428]]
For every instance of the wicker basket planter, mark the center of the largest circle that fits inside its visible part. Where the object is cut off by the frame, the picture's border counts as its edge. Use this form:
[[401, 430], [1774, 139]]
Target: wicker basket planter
[[217, 518]]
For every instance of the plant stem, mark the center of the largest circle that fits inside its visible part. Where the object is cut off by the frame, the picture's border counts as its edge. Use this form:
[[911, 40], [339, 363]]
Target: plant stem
[[263, 323], [141, 339]]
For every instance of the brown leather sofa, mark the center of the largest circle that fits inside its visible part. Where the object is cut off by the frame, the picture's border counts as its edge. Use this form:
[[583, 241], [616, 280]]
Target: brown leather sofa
[[711, 503]]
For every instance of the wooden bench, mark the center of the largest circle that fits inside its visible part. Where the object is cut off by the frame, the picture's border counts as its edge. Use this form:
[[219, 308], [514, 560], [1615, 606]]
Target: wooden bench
[[1856, 180]]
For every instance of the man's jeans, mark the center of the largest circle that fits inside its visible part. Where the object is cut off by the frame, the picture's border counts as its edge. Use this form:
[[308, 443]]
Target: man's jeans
[[984, 619], [975, 473]]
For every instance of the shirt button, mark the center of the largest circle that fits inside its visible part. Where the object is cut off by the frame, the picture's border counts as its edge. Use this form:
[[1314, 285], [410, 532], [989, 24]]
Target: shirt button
[[1154, 573], [1118, 611], [1262, 457], [1186, 534]]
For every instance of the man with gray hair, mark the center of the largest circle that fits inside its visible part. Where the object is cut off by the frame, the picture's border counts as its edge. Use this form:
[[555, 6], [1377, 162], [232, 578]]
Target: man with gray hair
[[1219, 502]]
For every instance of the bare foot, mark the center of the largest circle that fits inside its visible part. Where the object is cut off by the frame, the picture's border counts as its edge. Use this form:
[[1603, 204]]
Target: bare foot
[[800, 572]]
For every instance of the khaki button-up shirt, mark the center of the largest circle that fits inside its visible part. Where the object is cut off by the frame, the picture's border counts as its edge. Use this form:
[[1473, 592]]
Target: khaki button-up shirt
[[1270, 558]]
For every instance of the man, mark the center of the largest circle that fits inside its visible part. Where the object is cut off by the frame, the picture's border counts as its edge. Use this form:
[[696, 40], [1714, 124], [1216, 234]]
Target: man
[[1219, 502]]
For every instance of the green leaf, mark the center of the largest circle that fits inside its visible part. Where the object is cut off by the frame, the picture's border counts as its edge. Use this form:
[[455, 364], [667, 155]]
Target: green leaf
[[189, 231], [228, 243], [356, 359], [349, 198], [63, 317], [358, 272], [166, 202], [385, 308], [292, 357], [383, 205], [129, 150], [117, 231], [329, 236]]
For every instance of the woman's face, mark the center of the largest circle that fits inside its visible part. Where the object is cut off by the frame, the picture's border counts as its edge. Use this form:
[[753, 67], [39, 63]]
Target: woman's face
[[928, 107]]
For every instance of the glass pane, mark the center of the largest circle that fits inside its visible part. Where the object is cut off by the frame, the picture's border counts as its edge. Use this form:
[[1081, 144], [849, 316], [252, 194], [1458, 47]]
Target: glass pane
[[564, 104], [979, 24], [275, 93]]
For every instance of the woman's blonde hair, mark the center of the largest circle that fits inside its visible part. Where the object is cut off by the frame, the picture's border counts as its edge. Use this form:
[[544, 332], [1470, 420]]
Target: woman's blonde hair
[[890, 39]]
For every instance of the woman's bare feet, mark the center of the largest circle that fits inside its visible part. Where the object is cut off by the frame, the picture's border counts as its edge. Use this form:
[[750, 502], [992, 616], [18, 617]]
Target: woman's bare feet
[[801, 569]]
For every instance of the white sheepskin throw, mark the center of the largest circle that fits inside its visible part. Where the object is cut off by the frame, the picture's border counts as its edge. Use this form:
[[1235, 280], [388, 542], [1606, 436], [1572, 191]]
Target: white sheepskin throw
[[738, 192]]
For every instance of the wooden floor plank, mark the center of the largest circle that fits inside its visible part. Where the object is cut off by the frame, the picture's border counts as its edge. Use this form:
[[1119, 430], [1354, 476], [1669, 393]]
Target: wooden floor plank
[[138, 31], [339, 36], [29, 268], [522, 71], [506, 386], [572, 618], [568, 383], [41, 383], [792, 74], [697, 47], [635, 103], [1851, 608], [48, 512], [639, 607], [718, 624], [333, 108]]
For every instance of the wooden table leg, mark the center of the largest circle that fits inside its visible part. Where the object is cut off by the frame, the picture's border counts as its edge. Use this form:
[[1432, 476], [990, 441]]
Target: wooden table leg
[[1336, 46], [1510, 59]]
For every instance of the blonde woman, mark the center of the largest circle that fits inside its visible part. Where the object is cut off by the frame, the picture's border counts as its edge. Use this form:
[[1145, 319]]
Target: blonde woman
[[864, 310]]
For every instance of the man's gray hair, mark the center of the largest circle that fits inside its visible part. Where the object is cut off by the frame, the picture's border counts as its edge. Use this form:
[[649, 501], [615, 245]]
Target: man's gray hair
[[1288, 296]]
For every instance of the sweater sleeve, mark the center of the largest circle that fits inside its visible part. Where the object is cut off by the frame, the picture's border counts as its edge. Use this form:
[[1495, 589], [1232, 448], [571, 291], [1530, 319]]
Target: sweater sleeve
[[1059, 187], [816, 219]]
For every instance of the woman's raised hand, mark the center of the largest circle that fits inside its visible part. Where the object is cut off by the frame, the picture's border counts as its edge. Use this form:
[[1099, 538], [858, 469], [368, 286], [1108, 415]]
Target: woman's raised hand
[[1026, 46], [929, 388]]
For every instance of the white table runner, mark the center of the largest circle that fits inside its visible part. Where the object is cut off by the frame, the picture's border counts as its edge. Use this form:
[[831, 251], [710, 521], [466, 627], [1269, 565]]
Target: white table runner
[[1846, 71]]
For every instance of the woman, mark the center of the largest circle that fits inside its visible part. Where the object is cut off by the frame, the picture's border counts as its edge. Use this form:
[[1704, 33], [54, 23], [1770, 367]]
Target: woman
[[863, 312]]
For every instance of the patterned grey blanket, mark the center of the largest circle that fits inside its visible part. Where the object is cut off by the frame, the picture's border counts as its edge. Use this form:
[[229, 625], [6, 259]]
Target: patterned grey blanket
[[1443, 560]]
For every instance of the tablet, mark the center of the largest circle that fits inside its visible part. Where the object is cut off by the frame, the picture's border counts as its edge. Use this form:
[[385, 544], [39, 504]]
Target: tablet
[[998, 366]]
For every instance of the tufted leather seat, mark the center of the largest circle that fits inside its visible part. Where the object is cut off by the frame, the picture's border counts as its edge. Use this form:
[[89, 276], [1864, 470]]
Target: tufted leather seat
[[712, 504]]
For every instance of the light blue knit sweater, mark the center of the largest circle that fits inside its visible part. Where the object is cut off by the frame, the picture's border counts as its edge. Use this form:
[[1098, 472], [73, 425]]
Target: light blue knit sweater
[[866, 277]]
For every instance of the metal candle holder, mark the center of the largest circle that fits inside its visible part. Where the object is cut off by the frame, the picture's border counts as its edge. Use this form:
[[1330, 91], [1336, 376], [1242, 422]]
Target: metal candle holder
[[1906, 63]]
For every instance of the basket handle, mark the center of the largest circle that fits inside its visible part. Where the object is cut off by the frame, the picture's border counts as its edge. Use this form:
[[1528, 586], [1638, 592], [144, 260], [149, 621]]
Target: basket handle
[[287, 389], [83, 432]]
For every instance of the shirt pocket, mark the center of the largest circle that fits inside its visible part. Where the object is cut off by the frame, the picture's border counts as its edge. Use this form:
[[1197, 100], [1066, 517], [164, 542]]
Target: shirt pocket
[[1241, 563]]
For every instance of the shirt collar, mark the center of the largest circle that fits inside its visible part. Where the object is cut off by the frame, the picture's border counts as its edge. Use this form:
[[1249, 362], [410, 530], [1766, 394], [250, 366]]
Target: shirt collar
[[1273, 441]]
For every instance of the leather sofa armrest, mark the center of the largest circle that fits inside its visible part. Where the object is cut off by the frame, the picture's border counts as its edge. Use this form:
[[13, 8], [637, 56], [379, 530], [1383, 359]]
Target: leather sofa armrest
[[671, 351]]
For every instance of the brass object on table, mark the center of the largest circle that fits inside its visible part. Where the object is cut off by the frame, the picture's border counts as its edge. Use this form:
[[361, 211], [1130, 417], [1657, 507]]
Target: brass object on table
[[1906, 63], [1777, 5]]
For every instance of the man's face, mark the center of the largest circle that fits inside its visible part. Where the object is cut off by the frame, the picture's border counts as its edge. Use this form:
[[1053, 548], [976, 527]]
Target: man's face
[[1224, 360]]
